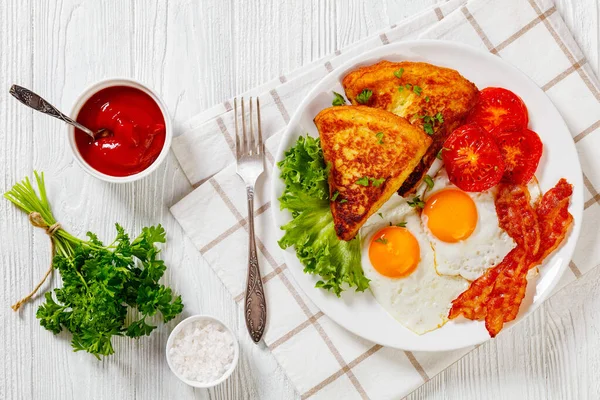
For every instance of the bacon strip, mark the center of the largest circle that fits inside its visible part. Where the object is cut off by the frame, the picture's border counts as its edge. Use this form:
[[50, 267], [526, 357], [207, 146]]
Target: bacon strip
[[509, 291], [497, 295], [472, 302], [517, 217], [554, 218]]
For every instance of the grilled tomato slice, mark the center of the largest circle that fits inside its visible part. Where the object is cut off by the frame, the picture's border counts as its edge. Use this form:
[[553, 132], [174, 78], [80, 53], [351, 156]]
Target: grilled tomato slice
[[472, 158], [521, 150], [499, 107]]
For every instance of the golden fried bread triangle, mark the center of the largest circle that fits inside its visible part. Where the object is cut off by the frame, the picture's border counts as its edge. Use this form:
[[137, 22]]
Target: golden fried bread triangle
[[370, 152], [432, 98]]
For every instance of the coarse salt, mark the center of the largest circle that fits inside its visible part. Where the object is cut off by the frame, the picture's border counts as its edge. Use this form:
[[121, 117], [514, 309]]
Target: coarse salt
[[202, 351]]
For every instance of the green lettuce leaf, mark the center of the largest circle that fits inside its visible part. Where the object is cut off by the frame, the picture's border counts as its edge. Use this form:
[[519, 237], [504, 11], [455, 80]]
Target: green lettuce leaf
[[311, 231]]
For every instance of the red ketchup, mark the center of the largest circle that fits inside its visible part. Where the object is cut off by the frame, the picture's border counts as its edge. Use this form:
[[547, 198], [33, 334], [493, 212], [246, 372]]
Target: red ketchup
[[138, 130]]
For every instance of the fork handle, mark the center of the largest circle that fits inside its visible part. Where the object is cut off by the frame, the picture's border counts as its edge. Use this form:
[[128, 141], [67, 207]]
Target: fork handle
[[255, 308]]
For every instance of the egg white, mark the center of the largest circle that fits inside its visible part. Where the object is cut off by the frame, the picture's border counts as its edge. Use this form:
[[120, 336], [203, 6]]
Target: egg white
[[421, 300], [483, 249]]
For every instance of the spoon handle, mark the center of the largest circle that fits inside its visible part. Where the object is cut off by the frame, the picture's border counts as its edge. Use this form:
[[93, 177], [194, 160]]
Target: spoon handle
[[36, 102]]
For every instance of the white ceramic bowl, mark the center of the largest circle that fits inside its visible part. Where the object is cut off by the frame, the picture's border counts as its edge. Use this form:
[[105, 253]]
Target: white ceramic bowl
[[95, 88], [236, 351]]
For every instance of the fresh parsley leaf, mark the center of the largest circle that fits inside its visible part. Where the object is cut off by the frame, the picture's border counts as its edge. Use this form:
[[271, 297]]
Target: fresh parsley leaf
[[428, 181], [439, 117], [364, 181], [342, 201], [381, 240], [398, 74], [335, 195], [338, 99], [377, 182], [379, 136], [139, 328], [364, 96], [416, 202], [418, 90], [401, 224]]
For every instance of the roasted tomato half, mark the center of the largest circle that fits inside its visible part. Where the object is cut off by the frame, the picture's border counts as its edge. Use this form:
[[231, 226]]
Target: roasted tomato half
[[498, 107], [521, 150], [473, 160]]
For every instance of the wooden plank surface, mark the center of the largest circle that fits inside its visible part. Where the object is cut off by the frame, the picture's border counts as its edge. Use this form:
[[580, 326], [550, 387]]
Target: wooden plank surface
[[195, 54]]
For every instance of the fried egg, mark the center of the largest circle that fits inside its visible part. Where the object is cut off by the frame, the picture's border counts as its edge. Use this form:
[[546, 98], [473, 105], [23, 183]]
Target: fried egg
[[399, 261], [463, 229]]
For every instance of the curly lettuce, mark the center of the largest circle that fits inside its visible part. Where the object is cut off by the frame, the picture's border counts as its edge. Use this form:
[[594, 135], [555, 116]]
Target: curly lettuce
[[311, 231]]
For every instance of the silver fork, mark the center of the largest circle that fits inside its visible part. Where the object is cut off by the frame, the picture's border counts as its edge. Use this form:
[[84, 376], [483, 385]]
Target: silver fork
[[250, 157]]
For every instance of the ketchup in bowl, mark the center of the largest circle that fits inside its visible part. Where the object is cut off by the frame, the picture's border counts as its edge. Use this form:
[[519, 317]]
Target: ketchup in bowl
[[138, 128]]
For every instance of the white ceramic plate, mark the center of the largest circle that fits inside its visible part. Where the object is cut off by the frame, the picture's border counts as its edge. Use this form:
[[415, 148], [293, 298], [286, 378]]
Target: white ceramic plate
[[359, 312]]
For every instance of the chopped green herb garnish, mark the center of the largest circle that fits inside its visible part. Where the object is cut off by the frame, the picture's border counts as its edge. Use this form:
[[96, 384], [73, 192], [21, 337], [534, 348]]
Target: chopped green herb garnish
[[342, 201], [418, 90], [364, 181], [379, 136], [364, 96], [426, 99], [408, 86], [428, 128], [377, 182], [428, 181], [382, 240], [380, 215], [335, 195], [398, 74], [401, 224], [400, 88], [338, 99], [430, 122], [416, 202]]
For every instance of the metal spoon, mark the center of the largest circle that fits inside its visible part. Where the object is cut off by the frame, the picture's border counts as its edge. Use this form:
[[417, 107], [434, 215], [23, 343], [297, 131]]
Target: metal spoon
[[36, 102]]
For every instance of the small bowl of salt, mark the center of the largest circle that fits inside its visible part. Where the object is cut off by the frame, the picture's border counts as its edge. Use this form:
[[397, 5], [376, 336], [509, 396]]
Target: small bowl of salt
[[202, 351]]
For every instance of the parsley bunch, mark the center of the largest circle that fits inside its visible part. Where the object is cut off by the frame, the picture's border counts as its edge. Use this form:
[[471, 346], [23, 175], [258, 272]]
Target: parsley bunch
[[100, 282]]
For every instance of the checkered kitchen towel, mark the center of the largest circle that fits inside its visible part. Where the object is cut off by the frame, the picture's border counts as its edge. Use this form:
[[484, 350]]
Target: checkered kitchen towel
[[321, 358]]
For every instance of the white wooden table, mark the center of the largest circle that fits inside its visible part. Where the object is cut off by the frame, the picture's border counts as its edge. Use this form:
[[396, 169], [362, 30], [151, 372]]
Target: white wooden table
[[196, 54]]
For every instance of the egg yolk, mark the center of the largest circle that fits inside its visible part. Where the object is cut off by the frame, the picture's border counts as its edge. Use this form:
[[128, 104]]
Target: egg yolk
[[451, 215], [394, 252]]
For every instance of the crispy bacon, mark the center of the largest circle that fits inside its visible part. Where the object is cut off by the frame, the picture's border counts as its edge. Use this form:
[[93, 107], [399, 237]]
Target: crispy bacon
[[472, 302], [554, 218], [517, 217], [509, 290], [497, 295]]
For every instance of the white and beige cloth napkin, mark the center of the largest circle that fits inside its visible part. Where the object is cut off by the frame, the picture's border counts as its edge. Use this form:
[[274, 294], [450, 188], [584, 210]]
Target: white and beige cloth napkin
[[322, 359]]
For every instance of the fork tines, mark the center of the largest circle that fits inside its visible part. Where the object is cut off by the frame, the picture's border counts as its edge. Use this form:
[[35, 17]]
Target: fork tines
[[247, 142]]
